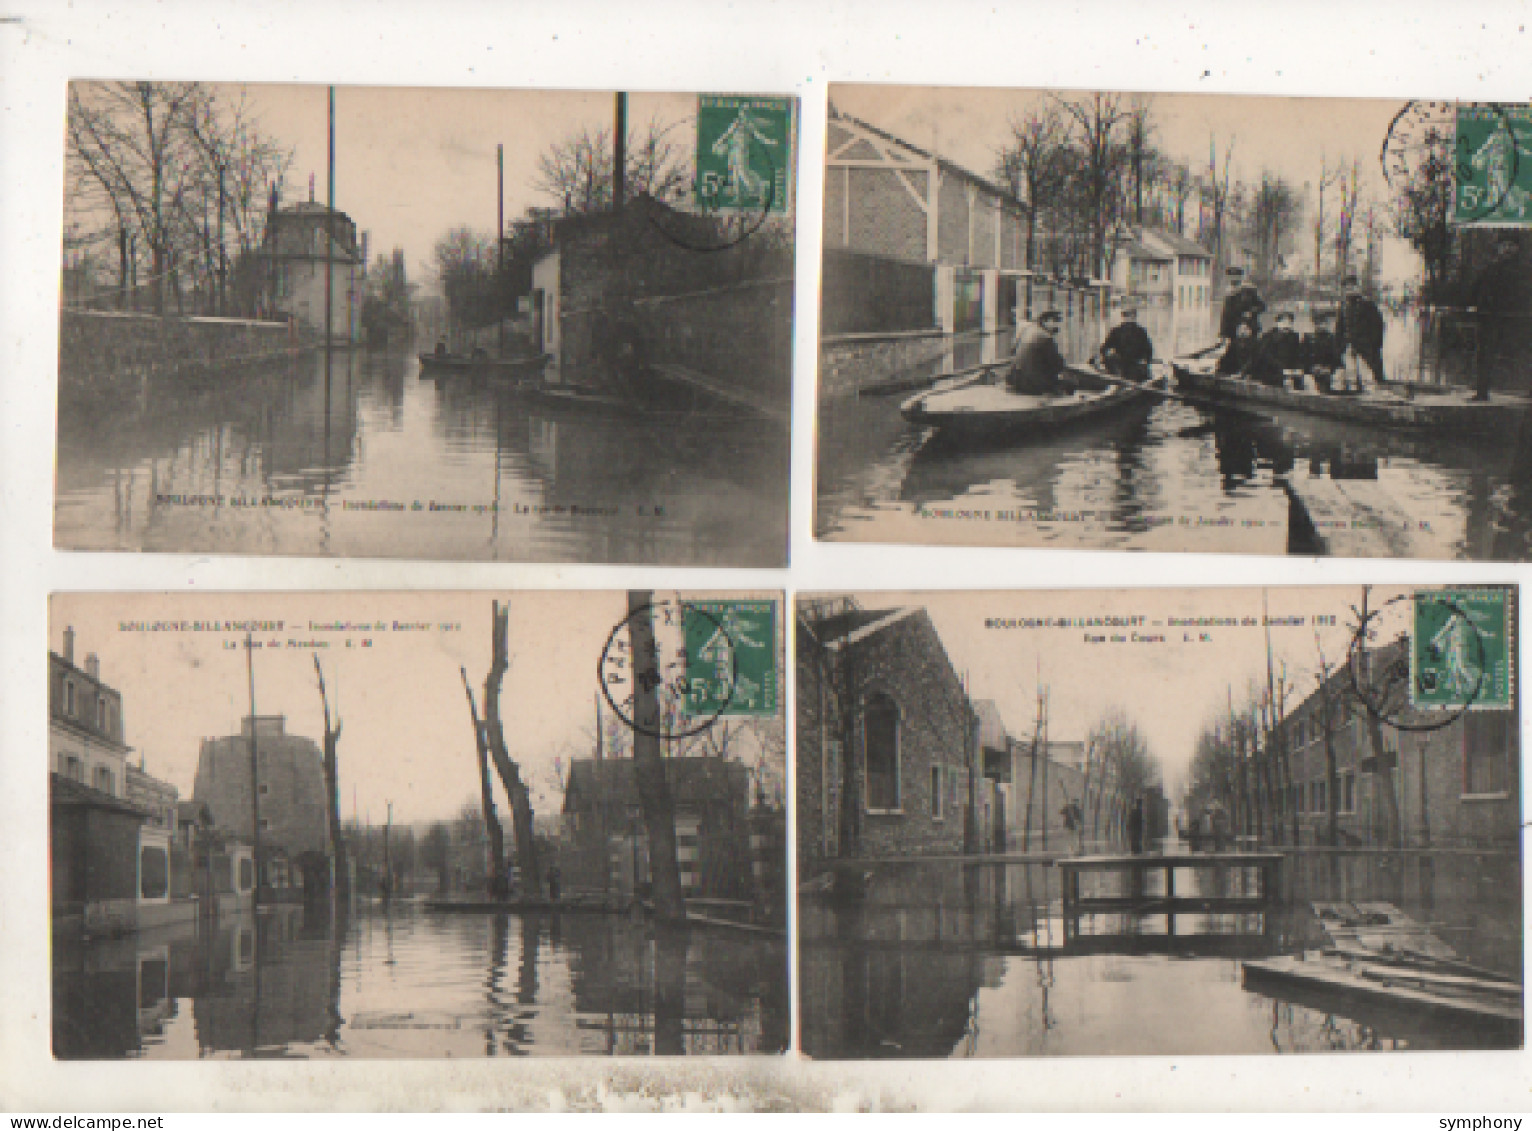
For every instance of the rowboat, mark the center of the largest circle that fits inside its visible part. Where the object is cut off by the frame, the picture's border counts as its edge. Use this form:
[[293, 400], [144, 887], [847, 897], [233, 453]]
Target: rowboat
[[978, 405], [1438, 409], [516, 369]]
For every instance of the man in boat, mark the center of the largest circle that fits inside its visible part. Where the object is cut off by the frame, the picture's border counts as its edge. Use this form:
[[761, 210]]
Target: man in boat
[[1321, 352], [1037, 366], [1276, 351], [1502, 297], [1127, 350], [1360, 327], [1243, 303], [1239, 356]]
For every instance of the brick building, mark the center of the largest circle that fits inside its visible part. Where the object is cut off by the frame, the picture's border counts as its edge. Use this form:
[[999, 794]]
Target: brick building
[[294, 839], [607, 849], [1457, 785], [881, 681]]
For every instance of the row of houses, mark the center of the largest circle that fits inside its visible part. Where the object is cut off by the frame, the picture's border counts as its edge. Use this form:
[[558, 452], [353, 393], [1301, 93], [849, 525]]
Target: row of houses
[[1452, 785], [127, 853], [895, 759]]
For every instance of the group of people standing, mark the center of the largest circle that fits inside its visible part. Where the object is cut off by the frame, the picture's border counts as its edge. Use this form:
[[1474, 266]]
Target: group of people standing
[[1269, 356]]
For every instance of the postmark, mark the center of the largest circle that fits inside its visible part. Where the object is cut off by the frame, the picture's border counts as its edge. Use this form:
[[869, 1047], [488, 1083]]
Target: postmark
[[657, 648], [1473, 150]]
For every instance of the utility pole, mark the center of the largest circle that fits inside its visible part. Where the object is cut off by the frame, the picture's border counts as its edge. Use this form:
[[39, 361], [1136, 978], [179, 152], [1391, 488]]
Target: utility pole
[[255, 772], [500, 241], [620, 153]]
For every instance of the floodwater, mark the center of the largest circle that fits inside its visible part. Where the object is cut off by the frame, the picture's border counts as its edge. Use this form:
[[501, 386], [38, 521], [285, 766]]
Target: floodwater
[[391, 465], [942, 960], [1163, 476], [410, 983]]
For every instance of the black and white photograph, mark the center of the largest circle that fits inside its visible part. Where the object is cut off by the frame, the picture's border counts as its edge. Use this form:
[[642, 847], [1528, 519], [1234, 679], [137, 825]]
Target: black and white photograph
[[1158, 822], [427, 323], [551, 824], [1118, 321]]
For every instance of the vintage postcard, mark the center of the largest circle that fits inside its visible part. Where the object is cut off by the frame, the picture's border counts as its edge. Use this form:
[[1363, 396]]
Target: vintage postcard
[[1090, 319], [417, 825], [1158, 822], [439, 324]]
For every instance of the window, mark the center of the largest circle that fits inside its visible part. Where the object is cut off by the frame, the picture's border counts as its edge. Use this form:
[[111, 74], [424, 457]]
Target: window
[[1487, 739], [880, 738], [103, 780], [246, 879], [265, 789], [1320, 799], [69, 698], [936, 792], [1348, 792], [101, 712], [265, 825], [74, 769]]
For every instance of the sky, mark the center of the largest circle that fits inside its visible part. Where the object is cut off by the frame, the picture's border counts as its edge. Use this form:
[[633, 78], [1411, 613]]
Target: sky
[[406, 734], [413, 162], [1282, 135], [1169, 689]]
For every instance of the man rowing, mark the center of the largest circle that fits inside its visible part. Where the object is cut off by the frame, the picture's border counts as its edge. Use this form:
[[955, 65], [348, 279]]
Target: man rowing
[[1127, 349], [1037, 366]]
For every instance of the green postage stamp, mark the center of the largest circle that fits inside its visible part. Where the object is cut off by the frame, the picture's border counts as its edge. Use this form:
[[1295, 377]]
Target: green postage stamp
[[1493, 165], [744, 153], [731, 658], [1462, 651]]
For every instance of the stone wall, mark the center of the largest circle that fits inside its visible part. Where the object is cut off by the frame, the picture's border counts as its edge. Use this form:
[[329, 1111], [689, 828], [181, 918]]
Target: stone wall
[[291, 768], [101, 352]]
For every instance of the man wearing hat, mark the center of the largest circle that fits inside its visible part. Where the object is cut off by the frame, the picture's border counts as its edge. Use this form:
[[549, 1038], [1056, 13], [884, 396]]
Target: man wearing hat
[[1360, 327], [1319, 351], [1127, 350], [1276, 352], [1036, 363], [1242, 304]]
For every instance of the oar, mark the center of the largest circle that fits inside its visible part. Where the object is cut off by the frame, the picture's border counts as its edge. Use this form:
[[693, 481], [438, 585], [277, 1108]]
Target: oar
[[1112, 379]]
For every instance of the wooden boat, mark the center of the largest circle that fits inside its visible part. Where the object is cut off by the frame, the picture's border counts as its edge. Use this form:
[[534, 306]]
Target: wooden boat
[[978, 405], [518, 369], [1438, 409]]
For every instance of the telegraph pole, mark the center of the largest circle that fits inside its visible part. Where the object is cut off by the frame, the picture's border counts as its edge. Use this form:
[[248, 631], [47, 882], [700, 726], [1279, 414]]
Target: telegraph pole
[[620, 153], [500, 239]]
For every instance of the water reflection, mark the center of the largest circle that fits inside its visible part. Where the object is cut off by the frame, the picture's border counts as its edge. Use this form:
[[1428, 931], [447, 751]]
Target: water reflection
[[942, 960], [406, 983], [298, 474], [1165, 476]]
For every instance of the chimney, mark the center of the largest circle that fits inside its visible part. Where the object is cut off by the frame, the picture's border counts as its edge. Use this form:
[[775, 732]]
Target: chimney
[[93, 666], [69, 645]]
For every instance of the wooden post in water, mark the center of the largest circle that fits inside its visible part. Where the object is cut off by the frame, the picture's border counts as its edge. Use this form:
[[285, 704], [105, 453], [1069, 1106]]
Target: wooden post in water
[[510, 773], [340, 877], [492, 827]]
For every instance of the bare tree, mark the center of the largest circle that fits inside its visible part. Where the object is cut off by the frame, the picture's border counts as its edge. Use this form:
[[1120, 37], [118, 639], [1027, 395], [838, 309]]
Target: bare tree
[[1273, 214], [1422, 210], [1033, 165], [1097, 120], [510, 773], [577, 172], [1218, 195]]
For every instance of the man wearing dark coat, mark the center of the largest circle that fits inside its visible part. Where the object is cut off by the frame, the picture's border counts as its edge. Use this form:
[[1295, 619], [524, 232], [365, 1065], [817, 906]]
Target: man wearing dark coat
[[1036, 363], [1127, 350], [1321, 353], [1276, 351], [1244, 303], [1238, 358], [1360, 327]]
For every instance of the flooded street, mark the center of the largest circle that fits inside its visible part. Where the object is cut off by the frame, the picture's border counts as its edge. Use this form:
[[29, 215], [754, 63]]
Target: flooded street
[[408, 983], [1164, 476], [256, 461], [942, 960]]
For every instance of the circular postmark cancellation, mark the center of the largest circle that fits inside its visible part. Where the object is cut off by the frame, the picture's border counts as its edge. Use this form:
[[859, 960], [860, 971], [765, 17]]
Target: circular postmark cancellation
[[1454, 657], [744, 149], [680, 653], [1473, 146]]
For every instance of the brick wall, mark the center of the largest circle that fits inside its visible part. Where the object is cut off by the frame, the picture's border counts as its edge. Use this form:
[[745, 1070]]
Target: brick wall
[[952, 220], [868, 294], [885, 219], [907, 663], [103, 352]]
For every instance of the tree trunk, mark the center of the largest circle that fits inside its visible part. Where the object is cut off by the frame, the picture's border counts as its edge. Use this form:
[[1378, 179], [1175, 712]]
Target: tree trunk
[[1385, 778], [649, 765], [510, 775], [492, 827]]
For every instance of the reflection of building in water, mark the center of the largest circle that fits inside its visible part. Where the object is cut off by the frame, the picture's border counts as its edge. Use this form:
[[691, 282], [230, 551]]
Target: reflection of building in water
[[269, 984], [694, 992], [294, 836], [608, 848]]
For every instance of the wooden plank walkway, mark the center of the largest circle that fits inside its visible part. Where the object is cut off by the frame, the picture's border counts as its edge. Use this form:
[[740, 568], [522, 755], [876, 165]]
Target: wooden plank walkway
[[1135, 869]]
